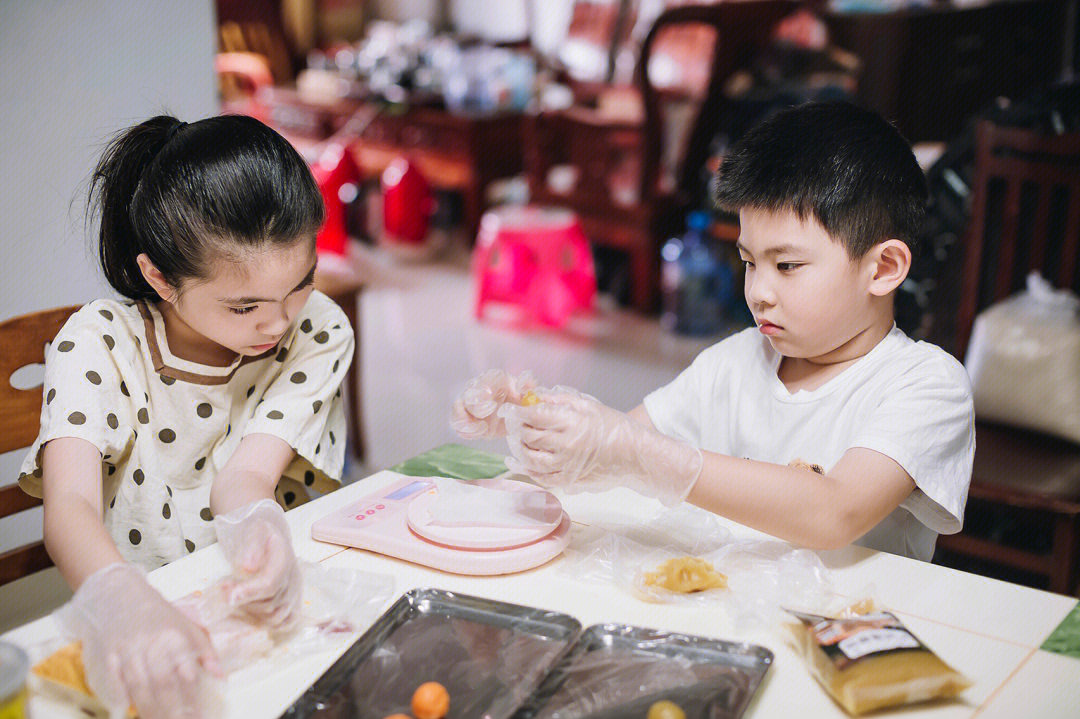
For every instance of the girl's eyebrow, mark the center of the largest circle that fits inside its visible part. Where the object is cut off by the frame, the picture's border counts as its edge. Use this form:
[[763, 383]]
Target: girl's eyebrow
[[308, 279]]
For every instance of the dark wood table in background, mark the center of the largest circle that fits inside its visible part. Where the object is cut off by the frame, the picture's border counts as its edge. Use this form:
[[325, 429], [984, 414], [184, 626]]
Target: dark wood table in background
[[457, 152]]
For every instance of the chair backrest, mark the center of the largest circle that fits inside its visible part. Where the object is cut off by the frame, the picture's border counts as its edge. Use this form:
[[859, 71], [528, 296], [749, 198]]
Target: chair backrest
[[1025, 216], [256, 26], [602, 149], [23, 340], [742, 29]]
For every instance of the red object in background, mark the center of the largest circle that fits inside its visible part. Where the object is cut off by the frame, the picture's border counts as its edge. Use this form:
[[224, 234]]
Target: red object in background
[[407, 203], [537, 258], [338, 178]]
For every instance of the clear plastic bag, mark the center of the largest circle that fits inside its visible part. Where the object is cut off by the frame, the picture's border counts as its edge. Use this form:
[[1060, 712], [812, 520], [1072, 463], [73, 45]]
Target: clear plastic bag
[[763, 576], [337, 604], [1024, 360]]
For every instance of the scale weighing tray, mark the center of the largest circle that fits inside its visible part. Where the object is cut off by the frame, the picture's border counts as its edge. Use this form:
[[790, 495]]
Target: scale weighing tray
[[395, 521]]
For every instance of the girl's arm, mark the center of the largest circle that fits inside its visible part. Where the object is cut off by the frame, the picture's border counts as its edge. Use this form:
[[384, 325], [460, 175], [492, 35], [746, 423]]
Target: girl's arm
[[816, 511], [74, 533], [251, 473]]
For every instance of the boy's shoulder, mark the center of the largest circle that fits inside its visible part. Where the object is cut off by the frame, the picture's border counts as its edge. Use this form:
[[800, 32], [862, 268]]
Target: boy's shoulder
[[905, 356]]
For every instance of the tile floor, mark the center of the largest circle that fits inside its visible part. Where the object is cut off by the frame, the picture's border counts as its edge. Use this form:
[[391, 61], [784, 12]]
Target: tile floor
[[420, 343]]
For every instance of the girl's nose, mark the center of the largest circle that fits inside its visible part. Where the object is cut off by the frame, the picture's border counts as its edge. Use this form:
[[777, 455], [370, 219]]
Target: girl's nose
[[276, 322]]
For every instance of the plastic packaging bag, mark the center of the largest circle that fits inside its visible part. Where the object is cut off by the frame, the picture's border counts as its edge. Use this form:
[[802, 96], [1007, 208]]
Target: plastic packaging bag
[[871, 661], [337, 604], [763, 576], [1024, 360]]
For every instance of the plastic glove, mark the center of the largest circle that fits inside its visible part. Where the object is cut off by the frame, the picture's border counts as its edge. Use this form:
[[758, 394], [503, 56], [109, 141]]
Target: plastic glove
[[138, 648], [574, 442], [268, 581], [475, 412]]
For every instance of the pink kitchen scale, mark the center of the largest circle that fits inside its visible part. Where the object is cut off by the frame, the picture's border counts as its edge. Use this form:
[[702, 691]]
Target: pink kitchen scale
[[397, 521]]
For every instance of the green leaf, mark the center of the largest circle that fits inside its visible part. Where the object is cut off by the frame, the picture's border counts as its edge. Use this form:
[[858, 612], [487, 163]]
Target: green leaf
[[453, 460]]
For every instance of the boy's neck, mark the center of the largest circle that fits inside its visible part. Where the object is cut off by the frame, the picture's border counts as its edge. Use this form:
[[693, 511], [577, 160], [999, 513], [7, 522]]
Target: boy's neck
[[187, 344], [809, 373]]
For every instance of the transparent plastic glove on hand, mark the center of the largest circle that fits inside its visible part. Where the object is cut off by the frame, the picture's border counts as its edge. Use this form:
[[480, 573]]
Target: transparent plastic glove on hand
[[475, 412], [138, 648], [268, 583], [575, 442]]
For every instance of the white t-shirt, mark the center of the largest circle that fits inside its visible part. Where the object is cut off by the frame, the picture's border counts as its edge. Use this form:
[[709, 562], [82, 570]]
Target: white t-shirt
[[908, 400], [166, 426]]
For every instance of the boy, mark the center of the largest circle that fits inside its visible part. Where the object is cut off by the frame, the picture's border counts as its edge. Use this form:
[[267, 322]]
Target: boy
[[829, 198]]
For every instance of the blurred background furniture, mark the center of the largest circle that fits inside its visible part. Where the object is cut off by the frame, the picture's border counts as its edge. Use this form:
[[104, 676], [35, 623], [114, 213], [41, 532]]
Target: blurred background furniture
[[929, 68], [628, 176], [1024, 503], [24, 339], [339, 279]]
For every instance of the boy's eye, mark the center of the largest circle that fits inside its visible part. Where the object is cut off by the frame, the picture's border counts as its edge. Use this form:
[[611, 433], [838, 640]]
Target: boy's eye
[[242, 310], [787, 266]]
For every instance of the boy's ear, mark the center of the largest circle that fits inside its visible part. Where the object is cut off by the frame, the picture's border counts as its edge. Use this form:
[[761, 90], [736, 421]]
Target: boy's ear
[[156, 280], [889, 263]]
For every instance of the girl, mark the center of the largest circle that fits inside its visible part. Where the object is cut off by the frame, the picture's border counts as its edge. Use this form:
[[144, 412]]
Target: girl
[[175, 418]]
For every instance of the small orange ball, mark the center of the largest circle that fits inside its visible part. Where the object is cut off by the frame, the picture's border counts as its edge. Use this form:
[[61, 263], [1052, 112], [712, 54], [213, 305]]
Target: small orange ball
[[430, 701]]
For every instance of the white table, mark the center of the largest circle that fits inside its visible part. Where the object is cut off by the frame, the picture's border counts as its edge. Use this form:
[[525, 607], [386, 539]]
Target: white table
[[987, 629]]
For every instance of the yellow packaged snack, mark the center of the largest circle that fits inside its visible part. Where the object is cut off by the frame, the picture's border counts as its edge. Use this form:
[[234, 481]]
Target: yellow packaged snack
[[685, 575], [873, 661]]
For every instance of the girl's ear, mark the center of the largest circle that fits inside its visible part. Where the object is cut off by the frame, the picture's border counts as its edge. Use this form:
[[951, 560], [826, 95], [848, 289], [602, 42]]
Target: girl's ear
[[889, 263], [156, 280]]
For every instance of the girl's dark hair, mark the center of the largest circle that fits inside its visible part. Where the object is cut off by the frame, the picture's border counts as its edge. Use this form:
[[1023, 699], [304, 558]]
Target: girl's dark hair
[[843, 165], [188, 194]]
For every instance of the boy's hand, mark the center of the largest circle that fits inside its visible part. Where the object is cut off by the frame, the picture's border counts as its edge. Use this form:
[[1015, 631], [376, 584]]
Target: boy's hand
[[475, 412], [573, 441], [257, 542], [138, 648]]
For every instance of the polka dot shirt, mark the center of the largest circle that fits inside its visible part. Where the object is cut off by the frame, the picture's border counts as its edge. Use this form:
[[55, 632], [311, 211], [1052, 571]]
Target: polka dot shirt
[[165, 426]]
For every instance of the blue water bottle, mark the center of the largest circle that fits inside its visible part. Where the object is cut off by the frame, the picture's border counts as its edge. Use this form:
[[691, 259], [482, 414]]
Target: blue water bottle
[[695, 284]]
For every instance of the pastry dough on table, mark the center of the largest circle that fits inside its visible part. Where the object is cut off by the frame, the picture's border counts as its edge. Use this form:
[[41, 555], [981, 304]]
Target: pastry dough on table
[[684, 575], [63, 672]]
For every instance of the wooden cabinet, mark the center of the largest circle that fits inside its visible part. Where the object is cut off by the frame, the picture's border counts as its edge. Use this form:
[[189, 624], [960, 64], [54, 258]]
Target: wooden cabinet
[[930, 69]]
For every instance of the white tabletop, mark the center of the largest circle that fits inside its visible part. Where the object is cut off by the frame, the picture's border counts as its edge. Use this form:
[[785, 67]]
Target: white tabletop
[[987, 629]]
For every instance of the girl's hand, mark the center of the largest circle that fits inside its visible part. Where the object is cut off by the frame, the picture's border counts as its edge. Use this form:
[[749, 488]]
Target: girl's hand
[[138, 648], [474, 415], [268, 581]]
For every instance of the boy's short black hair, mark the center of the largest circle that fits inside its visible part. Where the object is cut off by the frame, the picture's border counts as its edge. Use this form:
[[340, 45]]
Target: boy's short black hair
[[845, 166]]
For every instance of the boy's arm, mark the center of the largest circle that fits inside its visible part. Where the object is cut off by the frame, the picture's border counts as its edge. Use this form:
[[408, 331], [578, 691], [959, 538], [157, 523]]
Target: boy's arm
[[75, 535], [798, 505]]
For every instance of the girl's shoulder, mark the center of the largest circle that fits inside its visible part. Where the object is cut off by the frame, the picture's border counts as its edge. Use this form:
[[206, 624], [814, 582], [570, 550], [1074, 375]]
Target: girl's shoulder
[[104, 322], [322, 312]]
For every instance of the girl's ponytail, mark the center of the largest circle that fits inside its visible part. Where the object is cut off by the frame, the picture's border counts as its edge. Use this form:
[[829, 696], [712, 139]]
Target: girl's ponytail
[[114, 183]]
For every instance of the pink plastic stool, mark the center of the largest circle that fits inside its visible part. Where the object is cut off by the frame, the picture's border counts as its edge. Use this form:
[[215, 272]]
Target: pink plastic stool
[[536, 258]]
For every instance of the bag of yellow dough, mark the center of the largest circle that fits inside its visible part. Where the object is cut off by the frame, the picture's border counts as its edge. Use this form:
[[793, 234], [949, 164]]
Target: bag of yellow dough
[[64, 672], [872, 661]]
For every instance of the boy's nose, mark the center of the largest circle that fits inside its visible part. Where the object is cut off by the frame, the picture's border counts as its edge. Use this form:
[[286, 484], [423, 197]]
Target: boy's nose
[[758, 291]]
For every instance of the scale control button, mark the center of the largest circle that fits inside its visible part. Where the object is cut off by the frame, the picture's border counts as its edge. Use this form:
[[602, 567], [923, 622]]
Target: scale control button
[[371, 511], [380, 506]]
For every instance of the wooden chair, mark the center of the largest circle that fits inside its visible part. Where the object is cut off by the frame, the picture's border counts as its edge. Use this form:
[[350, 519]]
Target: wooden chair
[[617, 183], [1025, 215], [23, 339], [341, 282]]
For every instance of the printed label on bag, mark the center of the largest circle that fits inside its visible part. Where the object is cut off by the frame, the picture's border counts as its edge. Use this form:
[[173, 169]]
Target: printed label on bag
[[847, 640]]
